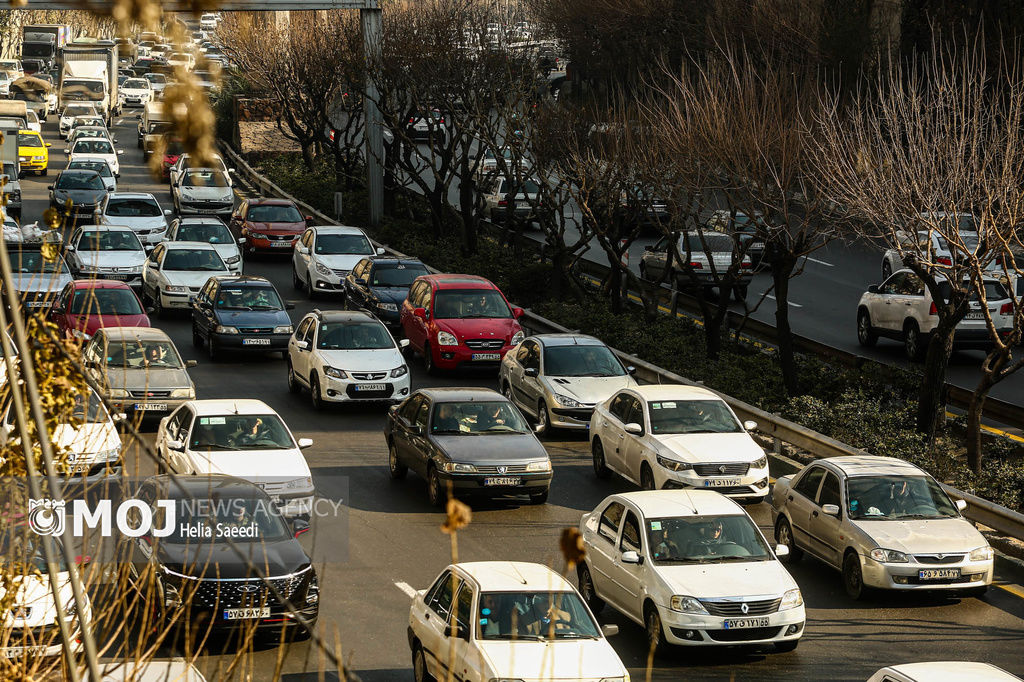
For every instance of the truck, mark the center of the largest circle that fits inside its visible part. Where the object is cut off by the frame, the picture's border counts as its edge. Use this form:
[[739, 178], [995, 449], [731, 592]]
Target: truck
[[14, 113], [44, 42], [11, 168], [89, 74]]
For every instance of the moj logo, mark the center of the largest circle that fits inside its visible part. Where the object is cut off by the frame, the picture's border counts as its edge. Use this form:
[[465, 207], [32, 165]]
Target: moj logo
[[133, 518]]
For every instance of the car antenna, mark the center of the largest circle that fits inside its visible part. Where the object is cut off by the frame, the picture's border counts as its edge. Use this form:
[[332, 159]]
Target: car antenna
[[689, 499], [522, 578]]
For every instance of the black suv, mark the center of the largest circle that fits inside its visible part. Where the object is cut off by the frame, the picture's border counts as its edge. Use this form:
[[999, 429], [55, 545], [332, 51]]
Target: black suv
[[380, 285]]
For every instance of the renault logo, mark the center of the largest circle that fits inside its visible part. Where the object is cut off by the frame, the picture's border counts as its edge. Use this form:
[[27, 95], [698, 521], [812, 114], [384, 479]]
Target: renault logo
[[721, 469], [940, 556], [744, 608], [248, 588], [502, 470]]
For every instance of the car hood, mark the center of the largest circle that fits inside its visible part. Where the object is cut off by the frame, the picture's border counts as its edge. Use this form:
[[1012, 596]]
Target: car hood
[[573, 659], [86, 439], [80, 196], [112, 259], [134, 92], [33, 593], [390, 294], [267, 465], [226, 250], [483, 328], [339, 261], [277, 228], [93, 322], [206, 192], [922, 536], [137, 222], [588, 389], [252, 318], [159, 379], [748, 579], [39, 282], [712, 447], [500, 447], [363, 360], [191, 278], [202, 557]]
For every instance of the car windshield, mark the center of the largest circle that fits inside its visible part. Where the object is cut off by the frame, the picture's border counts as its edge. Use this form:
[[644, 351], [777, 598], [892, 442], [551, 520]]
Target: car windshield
[[136, 84], [73, 111], [179, 57], [18, 547], [581, 361], [534, 616], [691, 416], [471, 418], [79, 181], [29, 140], [705, 540], [35, 262], [90, 121], [396, 274], [360, 335], [108, 240], [192, 260], [105, 302], [893, 498], [101, 167], [524, 187], [332, 244], [88, 410], [92, 89], [156, 78], [270, 213], [716, 243], [97, 146], [10, 170], [454, 304], [135, 354], [212, 233], [133, 208], [204, 178], [243, 519], [994, 291], [248, 298], [88, 132], [240, 432]]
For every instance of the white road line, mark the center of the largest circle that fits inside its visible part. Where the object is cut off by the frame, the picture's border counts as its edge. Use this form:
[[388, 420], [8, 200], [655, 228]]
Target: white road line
[[819, 262], [407, 588], [795, 305]]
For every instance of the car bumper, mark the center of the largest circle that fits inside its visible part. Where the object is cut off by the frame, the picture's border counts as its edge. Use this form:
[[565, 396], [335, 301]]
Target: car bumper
[[205, 207], [753, 484], [134, 101], [976, 338], [177, 301], [260, 343], [349, 390], [474, 484], [332, 283], [908, 576], [151, 236], [577, 418], [37, 165], [283, 246], [132, 279], [147, 407], [23, 644], [707, 279], [201, 619], [462, 357], [691, 629]]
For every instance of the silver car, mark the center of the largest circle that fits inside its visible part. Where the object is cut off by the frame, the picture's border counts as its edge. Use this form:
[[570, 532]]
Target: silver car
[[559, 378], [139, 370], [884, 523]]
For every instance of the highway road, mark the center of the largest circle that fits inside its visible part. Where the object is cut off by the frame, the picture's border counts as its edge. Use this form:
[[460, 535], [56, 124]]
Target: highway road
[[392, 540]]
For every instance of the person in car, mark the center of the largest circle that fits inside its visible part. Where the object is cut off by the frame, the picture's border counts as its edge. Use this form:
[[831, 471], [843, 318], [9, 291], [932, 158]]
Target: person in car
[[492, 616], [155, 354], [666, 547], [445, 419], [546, 620], [490, 417], [252, 433], [709, 540], [901, 499]]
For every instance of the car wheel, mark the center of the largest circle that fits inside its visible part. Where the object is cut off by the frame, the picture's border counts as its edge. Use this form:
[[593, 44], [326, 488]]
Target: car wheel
[[428, 360], [435, 493], [913, 343], [506, 390], [158, 308], [787, 646], [784, 536], [587, 591], [419, 665], [647, 477], [310, 290], [601, 469], [293, 381], [314, 393], [211, 349], [395, 467], [296, 282], [655, 630], [539, 498], [197, 339], [739, 292], [866, 336], [543, 419], [643, 272], [886, 269], [44, 172], [853, 579]]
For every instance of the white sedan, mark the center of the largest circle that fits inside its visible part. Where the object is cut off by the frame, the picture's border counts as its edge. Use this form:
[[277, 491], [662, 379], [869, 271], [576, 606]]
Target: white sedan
[[96, 147], [324, 256], [106, 252], [135, 92], [212, 231], [176, 271], [70, 113], [137, 210], [943, 671], [671, 436]]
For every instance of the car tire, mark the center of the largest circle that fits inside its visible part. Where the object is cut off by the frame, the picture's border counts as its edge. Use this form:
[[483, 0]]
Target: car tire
[[197, 338], [296, 282], [787, 646], [587, 591], [655, 629], [601, 469], [395, 467], [539, 498], [212, 350], [158, 309], [44, 172], [914, 343], [428, 360], [315, 397], [784, 536], [643, 272], [293, 381], [886, 269], [739, 292], [647, 477], [435, 492], [544, 427], [419, 665], [310, 291], [853, 577], [866, 336]]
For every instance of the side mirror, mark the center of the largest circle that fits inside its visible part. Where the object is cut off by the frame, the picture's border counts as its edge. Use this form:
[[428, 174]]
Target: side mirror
[[749, 425], [420, 313], [175, 445], [149, 247], [873, 289], [241, 240], [231, 170], [49, 187], [66, 150], [168, 211], [300, 526], [531, 372], [609, 629], [302, 345], [649, 247], [403, 343], [119, 417], [117, 175], [69, 247], [189, 364], [634, 428], [119, 151], [150, 310], [302, 248], [309, 219], [177, 184], [830, 509], [631, 370], [82, 559], [380, 251], [305, 443], [49, 144], [782, 551], [518, 312], [417, 429], [631, 557], [961, 505], [289, 306]]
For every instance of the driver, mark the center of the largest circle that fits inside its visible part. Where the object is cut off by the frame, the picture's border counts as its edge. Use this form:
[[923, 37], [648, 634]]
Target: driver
[[261, 299], [666, 547], [481, 306], [240, 516], [155, 354], [251, 432], [490, 417], [709, 540], [363, 337], [901, 498], [550, 619], [445, 419]]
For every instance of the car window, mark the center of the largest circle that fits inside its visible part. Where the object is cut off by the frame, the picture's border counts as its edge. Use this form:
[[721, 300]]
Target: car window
[[523, 354], [464, 607], [335, 244], [630, 533], [272, 213], [608, 527], [532, 359], [469, 418], [79, 181], [635, 415], [132, 208], [439, 598], [248, 298], [303, 327], [212, 233], [408, 410], [620, 407], [470, 303], [829, 491], [897, 497], [421, 414], [581, 361], [310, 332], [809, 482], [193, 260], [96, 146], [911, 285], [235, 432], [395, 274], [692, 416], [105, 302], [368, 335], [893, 284]]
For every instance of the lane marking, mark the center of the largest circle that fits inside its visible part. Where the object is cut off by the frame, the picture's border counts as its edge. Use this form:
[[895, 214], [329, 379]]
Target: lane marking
[[1012, 589], [991, 429], [819, 262], [409, 590], [795, 305]]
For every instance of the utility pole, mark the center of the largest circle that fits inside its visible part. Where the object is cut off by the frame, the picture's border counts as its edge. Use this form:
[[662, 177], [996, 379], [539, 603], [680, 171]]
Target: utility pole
[[373, 137]]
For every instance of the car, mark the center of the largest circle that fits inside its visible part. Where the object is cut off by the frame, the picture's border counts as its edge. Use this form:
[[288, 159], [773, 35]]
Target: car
[[33, 152], [559, 378], [175, 272], [111, 252], [36, 278], [459, 321], [231, 591], [71, 112], [698, 270], [943, 671], [378, 285], [203, 191], [152, 670], [173, 149], [185, 60], [924, 244], [34, 124], [135, 92], [749, 231], [674, 436], [12, 188], [12, 67], [5, 83], [85, 190], [510, 620], [88, 131], [238, 437], [100, 165], [157, 81], [488, 160], [138, 370], [426, 125], [79, 121], [324, 255], [692, 568], [642, 208], [499, 201], [212, 231], [96, 147], [208, 22], [344, 357], [471, 441], [902, 308], [85, 305], [268, 225], [185, 162], [137, 210], [237, 313], [884, 523]]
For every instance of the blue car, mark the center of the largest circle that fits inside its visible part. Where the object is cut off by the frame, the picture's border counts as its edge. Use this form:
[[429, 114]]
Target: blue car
[[379, 285], [240, 313]]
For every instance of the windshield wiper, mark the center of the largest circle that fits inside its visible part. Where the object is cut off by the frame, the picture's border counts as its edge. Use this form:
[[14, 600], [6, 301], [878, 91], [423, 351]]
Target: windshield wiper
[[531, 638], [572, 635]]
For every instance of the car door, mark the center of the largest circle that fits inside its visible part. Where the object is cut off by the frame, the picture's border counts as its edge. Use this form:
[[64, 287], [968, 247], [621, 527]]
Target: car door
[[419, 447], [94, 358], [177, 428], [238, 219], [203, 316], [404, 419], [615, 434], [801, 501], [431, 621], [633, 445], [71, 254], [467, 664], [887, 305], [151, 272], [305, 350], [601, 553], [301, 255], [629, 578], [654, 259], [823, 528], [415, 327], [60, 314], [297, 356], [527, 387]]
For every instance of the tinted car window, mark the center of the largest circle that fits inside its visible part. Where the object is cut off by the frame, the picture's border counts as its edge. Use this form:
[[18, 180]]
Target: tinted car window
[[581, 361], [133, 208], [79, 181], [692, 416], [105, 302], [470, 303], [809, 482], [829, 491], [395, 275], [274, 214], [610, 518]]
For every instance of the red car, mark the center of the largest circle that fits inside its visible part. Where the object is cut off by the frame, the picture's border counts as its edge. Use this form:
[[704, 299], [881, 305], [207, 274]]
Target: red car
[[268, 225], [174, 150], [459, 321], [85, 305]]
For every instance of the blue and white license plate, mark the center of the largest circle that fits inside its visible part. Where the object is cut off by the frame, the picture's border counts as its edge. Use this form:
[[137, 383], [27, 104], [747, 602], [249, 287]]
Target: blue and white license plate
[[938, 573], [256, 342], [486, 356], [740, 623], [280, 245], [721, 482], [503, 480], [371, 387], [247, 614], [151, 407]]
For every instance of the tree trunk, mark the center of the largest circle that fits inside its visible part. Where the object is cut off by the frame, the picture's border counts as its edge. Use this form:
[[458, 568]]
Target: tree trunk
[[467, 206], [929, 401], [307, 154], [437, 209], [782, 270], [615, 288], [974, 414]]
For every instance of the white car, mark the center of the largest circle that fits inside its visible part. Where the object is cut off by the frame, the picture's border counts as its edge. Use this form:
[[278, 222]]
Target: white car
[[106, 252], [943, 671], [159, 83], [33, 122], [671, 436], [138, 210], [902, 308], [203, 191], [692, 568], [101, 166], [208, 22], [70, 113], [185, 60], [929, 246], [83, 120], [324, 256], [346, 356], [513, 621], [151, 670], [559, 378], [211, 231], [79, 132], [244, 438], [135, 92], [97, 147], [184, 162], [176, 271]]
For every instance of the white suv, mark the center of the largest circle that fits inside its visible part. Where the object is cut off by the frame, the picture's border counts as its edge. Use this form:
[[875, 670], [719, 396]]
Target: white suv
[[691, 567]]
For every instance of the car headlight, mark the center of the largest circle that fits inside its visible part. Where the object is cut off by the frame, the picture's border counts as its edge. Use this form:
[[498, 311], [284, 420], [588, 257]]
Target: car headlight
[[566, 401], [399, 371], [119, 393], [172, 597], [225, 329], [791, 599], [313, 591], [79, 334], [982, 554], [257, 235], [323, 270], [232, 260], [760, 463], [888, 556], [544, 465], [518, 337], [174, 289], [446, 339], [672, 464], [458, 468], [189, 393], [283, 329], [304, 483], [684, 604], [389, 307], [110, 455], [336, 373]]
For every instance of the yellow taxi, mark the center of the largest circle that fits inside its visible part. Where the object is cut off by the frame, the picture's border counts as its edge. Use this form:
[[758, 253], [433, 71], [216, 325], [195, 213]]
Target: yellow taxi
[[32, 152]]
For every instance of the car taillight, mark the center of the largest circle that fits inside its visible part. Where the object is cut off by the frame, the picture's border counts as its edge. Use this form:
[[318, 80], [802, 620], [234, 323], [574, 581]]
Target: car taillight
[[933, 310], [696, 266], [746, 264], [1006, 308], [412, 119], [944, 260], [503, 202]]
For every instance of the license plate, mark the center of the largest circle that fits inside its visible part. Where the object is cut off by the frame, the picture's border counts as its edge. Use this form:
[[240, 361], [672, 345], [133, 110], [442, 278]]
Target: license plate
[[152, 407], [503, 480], [740, 623], [522, 205], [487, 356], [721, 482], [255, 342], [757, 245], [938, 573], [249, 613], [371, 387], [280, 245], [37, 304], [80, 468], [19, 651], [975, 316]]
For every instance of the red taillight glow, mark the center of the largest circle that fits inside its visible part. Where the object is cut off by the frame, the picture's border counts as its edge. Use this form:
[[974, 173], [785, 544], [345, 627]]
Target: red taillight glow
[[502, 203], [412, 119], [696, 266], [1006, 308], [944, 260], [933, 310]]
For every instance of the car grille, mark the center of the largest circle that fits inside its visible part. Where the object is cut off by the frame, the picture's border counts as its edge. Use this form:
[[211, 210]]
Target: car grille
[[508, 469], [341, 273], [281, 237], [39, 634], [485, 344], [256, 330], [150, 394], [743, 634], [368, 376], [937, 559], [369, 395], [213, 593], [735, 608], [727, 469]]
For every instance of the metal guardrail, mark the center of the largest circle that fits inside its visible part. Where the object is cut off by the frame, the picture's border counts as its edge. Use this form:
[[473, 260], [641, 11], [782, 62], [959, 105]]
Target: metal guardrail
[[781, 430]]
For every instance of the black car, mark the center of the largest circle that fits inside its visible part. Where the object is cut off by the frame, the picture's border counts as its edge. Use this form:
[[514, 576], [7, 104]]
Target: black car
[[379, 285], [194, 577], [84, 188], [240, 313], [472, 439]]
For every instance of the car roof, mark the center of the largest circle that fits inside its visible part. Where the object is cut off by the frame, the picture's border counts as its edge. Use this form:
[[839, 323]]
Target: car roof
[[79, 284], [939, 277], [201, 220], [873, 465], [567, 340], [242, 280], [79, 171], [514, 576], [674, 392], [85, 158], [265, 201], [666, 503], [181, 246], [953, 671], [448, 281], [132, 195], [141, 333], [105, 228], [459, 394], [230, 406], [391, 260], [343, 315], [337, 229]]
